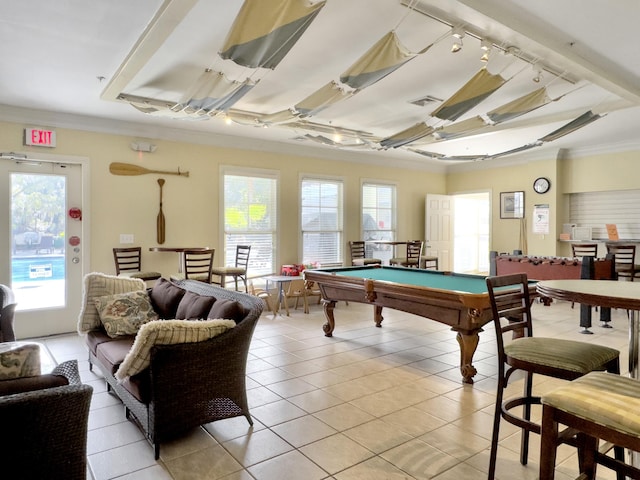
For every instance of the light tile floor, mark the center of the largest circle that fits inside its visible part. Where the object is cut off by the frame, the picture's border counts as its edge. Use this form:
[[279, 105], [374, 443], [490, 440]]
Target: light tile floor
[[369, 403]]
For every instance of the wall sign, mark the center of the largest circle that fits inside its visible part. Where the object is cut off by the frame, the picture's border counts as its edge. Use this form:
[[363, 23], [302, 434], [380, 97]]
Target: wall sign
[[40, 137], [541, 219]]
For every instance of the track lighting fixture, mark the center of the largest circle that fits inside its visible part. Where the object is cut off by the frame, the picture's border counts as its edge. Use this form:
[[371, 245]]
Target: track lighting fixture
[[457, 33], [486, 46], [537, 78]]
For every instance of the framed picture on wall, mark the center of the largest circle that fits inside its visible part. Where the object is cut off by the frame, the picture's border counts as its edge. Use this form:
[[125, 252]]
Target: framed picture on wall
[[511, 204]]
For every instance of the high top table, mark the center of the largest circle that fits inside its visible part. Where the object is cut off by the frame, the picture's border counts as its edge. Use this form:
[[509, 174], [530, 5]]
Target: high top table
[[179, 250], [602, 293]]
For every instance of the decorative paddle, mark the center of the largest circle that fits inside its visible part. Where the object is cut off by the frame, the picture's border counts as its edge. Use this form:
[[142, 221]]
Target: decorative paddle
[[160, 221], [129, 169]]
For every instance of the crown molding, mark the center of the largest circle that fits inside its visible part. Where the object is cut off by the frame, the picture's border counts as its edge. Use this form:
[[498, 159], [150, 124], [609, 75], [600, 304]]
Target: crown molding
[[88, 123]]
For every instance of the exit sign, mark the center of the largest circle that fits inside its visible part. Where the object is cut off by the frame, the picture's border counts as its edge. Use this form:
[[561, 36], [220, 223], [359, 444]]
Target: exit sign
[[39, 137]]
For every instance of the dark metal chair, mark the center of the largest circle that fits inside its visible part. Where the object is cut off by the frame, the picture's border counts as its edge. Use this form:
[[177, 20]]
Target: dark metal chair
[[553, 357]]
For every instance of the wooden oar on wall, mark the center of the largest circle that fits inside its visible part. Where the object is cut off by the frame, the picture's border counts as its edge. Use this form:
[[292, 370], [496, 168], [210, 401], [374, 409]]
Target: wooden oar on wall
[[160, 220], [117, 168]]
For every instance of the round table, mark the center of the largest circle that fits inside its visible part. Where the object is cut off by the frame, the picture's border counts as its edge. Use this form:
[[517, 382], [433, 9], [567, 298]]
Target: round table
[[602, 293]]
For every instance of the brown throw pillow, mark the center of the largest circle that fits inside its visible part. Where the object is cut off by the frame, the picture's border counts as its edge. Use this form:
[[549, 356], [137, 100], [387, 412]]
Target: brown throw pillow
[[223, 308], [165, 298], [194, 306]]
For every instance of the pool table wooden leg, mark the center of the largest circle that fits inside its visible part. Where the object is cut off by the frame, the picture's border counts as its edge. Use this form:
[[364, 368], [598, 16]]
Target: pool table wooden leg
[[468, 343], [328, 306], [377, 315]]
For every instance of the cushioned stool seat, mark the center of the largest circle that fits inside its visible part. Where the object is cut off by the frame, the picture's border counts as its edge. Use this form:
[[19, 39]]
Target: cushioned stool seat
[[579, 357], [598, 406]]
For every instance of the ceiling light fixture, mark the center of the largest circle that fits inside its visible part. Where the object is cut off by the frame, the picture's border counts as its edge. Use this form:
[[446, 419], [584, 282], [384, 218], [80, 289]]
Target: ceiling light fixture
[[457, 33]]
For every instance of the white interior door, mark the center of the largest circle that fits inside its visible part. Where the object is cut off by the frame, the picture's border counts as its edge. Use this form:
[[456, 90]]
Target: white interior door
[[439, 211], [43, 242]]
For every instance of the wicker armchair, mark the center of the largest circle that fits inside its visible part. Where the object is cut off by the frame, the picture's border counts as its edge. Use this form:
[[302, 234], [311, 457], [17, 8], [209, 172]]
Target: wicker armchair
[[44, 432], [191, 384], [7, 308]]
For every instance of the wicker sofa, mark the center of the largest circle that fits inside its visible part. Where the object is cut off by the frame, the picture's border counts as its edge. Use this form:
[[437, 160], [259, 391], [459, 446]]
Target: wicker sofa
[[185, 384]]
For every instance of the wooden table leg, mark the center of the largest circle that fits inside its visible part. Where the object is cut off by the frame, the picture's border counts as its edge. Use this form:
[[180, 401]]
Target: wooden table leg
[[468, 343], [328, 306]]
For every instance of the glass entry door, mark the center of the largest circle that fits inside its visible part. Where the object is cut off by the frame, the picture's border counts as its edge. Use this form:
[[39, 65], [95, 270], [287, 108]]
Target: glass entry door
[[42, 243]]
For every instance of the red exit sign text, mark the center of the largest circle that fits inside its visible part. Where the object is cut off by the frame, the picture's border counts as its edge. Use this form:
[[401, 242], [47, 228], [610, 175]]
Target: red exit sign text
[[39, 137]]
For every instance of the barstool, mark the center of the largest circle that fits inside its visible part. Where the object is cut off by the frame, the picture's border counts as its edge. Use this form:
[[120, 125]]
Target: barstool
[[552, 357], [597, 406]]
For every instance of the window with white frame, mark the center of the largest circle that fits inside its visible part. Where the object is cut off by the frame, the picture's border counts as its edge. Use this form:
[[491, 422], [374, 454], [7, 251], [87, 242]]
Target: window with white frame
[[250, 218], [321, 221], [378, 217]]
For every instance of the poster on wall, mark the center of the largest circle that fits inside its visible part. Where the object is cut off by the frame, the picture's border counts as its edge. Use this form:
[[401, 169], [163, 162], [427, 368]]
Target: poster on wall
[[541, 219]]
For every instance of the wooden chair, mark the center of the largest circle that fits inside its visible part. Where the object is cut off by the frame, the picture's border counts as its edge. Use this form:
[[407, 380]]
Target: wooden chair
[[358, 255], [414, 252], [312, 290], [580, 250], [592, 408], [129, 264], [553, 357], [429, 262], [237, 271], [625, 260], [196, 265], [263, 294], [296, 289]]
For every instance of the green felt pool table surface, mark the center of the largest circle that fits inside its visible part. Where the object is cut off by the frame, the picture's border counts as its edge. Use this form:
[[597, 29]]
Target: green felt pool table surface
[[421, 278]]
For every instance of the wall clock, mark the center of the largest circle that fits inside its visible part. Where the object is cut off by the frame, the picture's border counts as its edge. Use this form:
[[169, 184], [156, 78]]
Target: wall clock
[[541, 185]]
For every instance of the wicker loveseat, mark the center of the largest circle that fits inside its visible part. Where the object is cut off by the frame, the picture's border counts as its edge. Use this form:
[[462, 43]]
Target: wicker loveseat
[[185, 384]]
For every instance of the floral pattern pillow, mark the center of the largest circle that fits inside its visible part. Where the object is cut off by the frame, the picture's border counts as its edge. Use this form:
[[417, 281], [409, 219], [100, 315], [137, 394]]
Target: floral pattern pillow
[[125, 313], [19, 359]]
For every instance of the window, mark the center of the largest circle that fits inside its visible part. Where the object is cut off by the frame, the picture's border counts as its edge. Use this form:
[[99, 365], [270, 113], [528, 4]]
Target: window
[[250, 203], [322, 228], [378, 218]]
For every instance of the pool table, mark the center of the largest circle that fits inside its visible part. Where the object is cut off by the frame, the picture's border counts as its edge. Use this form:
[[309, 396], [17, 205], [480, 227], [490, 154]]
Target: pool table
[[458, 300]]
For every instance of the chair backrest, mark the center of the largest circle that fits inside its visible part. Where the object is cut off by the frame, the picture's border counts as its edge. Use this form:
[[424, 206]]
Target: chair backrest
[[414, 250], [197, 264], [624, 255], [45, 431], [510, 300], [242, 256], [6, 296], [357, 249], [296, 287], [584, 249], [127, 259]]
